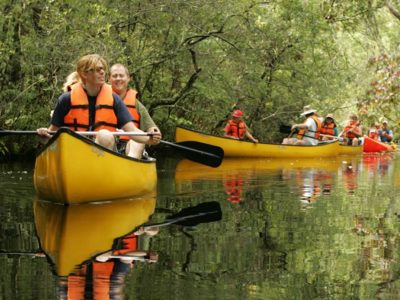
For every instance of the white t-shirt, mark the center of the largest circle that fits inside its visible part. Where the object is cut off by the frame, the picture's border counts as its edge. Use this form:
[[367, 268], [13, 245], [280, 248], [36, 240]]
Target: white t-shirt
[[310, 131]]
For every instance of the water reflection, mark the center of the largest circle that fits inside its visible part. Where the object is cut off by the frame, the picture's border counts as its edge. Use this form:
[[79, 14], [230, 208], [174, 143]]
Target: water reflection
[[377, 251], [233, 184], [92, 247], [378, 163], [270, 245], [349, 173], [103, 277], [71, 235], [309, 178]]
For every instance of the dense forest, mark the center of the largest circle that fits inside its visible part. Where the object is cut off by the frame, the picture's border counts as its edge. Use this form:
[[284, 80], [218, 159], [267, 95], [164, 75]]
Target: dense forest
[[194, 61]]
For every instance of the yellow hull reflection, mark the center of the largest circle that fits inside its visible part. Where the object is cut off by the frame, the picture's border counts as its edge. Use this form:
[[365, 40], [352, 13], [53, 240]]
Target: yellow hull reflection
[[187, 170], [350, 150], [70, 235], [73, 169]]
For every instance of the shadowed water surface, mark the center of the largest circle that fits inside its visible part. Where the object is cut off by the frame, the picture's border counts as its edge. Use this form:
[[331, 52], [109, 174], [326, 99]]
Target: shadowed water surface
[[290, 229]]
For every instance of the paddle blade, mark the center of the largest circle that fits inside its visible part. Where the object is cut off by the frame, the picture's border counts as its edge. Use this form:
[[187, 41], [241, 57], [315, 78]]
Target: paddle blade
[[202, 153], [205, 212], [206, 154], [285, 129]]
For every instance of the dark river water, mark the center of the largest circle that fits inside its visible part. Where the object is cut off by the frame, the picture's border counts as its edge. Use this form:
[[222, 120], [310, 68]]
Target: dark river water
[[290, 229]]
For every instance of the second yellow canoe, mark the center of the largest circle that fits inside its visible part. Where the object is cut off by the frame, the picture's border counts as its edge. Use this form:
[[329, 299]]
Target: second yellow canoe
[[236, 148]]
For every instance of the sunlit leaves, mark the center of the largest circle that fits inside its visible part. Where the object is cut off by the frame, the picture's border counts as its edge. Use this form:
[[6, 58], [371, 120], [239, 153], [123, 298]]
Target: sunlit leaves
[[383, 96]]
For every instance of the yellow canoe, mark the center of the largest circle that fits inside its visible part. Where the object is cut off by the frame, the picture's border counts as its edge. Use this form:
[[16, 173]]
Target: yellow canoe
[[235, 148], [72, 169], [73, 234]]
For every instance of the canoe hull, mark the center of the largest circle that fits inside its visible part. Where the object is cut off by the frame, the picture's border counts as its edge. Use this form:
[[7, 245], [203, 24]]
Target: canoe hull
[[371, 145], [235, 148], [73, 169]]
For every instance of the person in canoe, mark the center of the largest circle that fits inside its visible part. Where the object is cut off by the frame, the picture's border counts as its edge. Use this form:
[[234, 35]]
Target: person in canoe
[[373, 131], [329, 129], [70, 80], [308, 133], [119, 80], [352, 131], [385, 134], [91, 105], [237, 129]]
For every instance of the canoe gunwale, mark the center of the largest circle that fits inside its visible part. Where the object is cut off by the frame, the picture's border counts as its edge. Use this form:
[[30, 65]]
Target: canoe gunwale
[[89, 142]]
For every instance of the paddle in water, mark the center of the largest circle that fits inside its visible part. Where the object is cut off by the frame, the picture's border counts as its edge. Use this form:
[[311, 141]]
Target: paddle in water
[[205, 212]]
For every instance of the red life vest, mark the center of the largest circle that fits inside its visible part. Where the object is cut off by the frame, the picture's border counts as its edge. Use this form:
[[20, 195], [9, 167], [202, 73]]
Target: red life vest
[[317, 121], [78, 116], [236, 130], [352, 125]]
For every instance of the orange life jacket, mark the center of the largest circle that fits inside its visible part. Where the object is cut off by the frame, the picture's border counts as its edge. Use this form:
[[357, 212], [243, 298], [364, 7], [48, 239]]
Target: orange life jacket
[[328, 128], [76, 284], [352, 125], [317, 121], [78, 116], [130, 102], [101, 279], [236, 130]]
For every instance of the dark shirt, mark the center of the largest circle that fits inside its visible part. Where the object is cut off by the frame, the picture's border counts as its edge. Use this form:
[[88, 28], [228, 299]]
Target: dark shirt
[[64, 104], [383, 137]]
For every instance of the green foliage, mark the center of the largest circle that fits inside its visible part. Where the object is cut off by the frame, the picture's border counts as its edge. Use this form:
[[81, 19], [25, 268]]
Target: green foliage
[[382, 99], [194, 61]]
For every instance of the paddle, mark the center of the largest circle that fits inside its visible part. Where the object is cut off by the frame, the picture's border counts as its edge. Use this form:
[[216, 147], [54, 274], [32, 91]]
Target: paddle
[[205, 212], [202, 153], [98, 258], [105, 257], [33, 254], [4, 132]]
